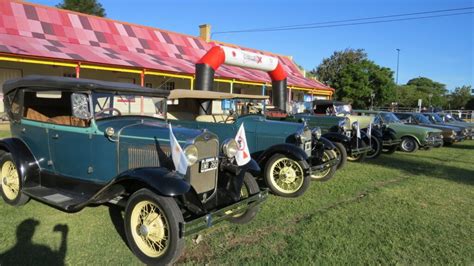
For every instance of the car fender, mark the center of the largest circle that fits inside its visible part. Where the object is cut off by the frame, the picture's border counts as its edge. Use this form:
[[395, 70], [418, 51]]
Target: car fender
[[374, 132], [337, 137], [159, 179], [252, 167], [25, 162], [328, 145], [411, 136], [291, 151]]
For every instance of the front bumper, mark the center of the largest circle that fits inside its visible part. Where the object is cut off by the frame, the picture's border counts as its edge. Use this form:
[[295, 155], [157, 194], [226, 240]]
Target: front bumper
[[212, 218], [324, 166], [391, 142], [358, 151], [433, 142]]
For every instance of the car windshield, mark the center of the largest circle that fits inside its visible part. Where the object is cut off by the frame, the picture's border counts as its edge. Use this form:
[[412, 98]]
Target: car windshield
[[343, 109], [389, 118], [449, 118], [437, 118], [422, 119], [109, 104]]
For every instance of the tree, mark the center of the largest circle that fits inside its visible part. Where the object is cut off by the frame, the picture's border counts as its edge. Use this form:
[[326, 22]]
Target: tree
[[460, 97], [355, 78], [91, 7], [426, 87]]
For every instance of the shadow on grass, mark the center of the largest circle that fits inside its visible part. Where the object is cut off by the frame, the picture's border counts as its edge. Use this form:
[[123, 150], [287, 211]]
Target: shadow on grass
[[461, 146], [25, 252], [116, 216], [435, 170]]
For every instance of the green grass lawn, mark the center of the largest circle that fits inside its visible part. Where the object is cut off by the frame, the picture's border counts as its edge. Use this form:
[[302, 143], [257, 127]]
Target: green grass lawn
[[398, 209]]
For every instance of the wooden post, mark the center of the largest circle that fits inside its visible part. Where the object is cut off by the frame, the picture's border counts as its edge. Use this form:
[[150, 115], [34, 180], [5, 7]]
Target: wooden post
[[142, 83], [78, 70]]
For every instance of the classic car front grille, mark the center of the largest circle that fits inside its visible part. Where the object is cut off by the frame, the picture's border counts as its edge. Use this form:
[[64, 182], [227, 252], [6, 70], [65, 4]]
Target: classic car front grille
[[206, 181], [144, 156]]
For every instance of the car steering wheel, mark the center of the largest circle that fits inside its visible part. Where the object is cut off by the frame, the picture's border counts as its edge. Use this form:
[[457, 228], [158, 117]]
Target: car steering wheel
[[101, 112]]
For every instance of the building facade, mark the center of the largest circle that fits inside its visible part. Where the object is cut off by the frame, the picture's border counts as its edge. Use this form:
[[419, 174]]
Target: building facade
[[37, 39]]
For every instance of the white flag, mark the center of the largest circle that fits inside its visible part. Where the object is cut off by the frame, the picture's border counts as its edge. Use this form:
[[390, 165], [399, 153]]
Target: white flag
[[179, 158], [358, 130], [243, 155], [369, 131]]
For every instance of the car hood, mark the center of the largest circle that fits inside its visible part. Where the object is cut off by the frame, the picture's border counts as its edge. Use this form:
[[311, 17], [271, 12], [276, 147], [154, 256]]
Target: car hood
[[399, 127], [147, 129]]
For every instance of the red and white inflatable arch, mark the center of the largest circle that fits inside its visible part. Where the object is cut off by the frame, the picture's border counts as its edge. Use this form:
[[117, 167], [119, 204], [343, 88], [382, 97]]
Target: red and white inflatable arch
[[218, 55]]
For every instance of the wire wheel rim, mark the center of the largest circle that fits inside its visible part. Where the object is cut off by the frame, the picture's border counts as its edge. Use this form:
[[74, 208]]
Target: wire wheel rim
[[10, 180], [374, 145], [323, 173], [286, 175], [150, 229]]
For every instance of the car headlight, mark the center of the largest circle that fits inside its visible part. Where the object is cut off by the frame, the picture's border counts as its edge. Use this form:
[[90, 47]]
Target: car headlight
[[316, 132], [191, 153], [342, 123], [230, 148], [453, 133]]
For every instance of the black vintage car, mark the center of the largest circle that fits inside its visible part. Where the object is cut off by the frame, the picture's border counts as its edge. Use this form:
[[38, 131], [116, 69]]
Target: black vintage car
[[77, 143]]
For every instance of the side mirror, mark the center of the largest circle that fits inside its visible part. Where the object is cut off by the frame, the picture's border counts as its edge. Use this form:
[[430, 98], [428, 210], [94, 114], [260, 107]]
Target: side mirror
[[80, 106]]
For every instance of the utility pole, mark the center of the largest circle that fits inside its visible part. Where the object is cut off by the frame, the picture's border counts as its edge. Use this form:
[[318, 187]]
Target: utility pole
[[398, 62]]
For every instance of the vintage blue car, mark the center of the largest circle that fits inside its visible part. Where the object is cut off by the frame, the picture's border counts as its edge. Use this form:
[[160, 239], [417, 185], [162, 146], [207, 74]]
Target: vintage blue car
[[290, 154], [78, 142]]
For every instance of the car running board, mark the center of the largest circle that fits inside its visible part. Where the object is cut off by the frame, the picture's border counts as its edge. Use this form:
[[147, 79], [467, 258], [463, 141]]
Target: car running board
[[62, 200]]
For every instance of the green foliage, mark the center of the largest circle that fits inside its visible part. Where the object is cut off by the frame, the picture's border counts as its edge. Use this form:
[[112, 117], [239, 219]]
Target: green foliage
[[355, 78], [470, 104], [460, 97], [91, 7], [424, 87]]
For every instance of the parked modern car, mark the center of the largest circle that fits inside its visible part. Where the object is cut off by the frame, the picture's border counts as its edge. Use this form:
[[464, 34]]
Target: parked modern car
[[413, 137], [78, 142], [450, 134], [450, 120], [435, 118], [290, 154]]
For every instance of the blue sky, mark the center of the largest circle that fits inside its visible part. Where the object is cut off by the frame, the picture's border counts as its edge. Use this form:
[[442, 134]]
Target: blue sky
[[439, 48]]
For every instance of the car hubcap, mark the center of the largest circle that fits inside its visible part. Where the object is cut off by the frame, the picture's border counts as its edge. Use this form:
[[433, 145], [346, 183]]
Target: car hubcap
[[150, 229], [10, 180], [323, 173], [287, 175], [407, 145]]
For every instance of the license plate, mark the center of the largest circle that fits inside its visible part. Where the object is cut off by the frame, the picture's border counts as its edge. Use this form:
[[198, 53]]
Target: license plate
[[348, 133], [209, 164], [307, 146]]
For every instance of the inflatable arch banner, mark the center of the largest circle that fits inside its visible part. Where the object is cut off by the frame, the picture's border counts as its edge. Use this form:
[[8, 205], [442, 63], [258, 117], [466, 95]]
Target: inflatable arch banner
[[218, 55]]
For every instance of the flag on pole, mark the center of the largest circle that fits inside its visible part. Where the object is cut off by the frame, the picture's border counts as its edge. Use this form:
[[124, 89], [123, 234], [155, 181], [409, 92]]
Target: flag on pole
[[358, 130], [179, 158], [369, 131], [243, 155]]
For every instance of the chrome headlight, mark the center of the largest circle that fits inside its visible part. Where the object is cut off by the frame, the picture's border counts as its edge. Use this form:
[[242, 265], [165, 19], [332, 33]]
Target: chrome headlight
[[341, 123], [191, 153], [453, 133], [230, 148], [316, 132]]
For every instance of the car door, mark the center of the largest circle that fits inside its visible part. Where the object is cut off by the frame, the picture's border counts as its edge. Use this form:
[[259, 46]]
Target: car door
[[70, 143]]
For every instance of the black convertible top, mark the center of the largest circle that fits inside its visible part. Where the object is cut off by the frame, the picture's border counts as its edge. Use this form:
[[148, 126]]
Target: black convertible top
[[45, 83]]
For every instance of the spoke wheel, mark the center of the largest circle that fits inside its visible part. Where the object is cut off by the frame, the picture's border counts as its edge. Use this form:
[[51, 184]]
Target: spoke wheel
[[359, 157], [286, 177], [152, 227], [341, 154], [376, 148], [10, 182], [249, 188], [328, 173]]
